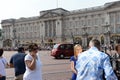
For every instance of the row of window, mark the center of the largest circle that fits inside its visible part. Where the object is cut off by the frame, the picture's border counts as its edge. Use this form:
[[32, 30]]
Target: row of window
[[26, 31], [115, 17]]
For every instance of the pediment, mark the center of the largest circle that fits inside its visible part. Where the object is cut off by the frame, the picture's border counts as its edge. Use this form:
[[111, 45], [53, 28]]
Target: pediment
[[112, 5], [50, 14]]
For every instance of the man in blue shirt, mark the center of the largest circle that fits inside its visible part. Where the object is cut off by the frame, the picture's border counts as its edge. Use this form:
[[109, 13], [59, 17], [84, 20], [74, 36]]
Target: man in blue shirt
[[91, 64], [17, 61]]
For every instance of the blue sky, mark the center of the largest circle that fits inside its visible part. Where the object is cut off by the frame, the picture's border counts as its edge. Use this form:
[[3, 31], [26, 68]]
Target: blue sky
[[28, 8]]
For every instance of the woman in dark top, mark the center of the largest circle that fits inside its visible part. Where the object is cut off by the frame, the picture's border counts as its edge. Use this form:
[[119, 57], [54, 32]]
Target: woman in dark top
[[73, 59]]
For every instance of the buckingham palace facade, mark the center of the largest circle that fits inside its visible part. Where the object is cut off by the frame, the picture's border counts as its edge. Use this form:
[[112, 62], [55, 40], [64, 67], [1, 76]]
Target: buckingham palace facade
[[60, 25]]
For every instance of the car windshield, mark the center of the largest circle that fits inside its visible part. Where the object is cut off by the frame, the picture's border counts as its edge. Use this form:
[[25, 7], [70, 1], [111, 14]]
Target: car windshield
[[55, 46]]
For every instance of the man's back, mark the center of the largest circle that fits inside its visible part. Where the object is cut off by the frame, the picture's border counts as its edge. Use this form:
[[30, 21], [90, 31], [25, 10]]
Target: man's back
[[91, 63], [18, 62]]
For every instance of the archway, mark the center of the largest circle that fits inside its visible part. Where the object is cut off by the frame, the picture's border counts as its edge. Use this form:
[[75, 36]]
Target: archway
[[7, 43], [116, 38], [78, 40]]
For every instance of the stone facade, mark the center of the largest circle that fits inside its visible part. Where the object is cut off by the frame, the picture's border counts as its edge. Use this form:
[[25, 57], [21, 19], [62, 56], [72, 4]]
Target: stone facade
[[60, 25]]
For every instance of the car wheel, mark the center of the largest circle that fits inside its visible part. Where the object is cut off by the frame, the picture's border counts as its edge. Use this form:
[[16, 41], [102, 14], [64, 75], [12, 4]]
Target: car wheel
[[62, 56]]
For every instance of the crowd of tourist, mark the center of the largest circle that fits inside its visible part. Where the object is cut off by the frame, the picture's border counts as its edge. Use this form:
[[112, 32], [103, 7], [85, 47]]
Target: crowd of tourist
[[96, 63]]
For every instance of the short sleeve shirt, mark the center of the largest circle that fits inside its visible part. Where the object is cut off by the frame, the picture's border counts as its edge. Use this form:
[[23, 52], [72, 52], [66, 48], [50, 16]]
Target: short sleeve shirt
[[18, 61], [3, 63], [35, 74], [73, 59]]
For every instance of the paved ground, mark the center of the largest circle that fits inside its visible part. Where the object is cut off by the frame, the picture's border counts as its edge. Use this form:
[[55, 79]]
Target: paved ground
[[52, 69]]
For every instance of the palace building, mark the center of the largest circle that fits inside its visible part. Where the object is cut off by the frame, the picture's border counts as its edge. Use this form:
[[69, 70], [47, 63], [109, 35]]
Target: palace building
[[60, 25]]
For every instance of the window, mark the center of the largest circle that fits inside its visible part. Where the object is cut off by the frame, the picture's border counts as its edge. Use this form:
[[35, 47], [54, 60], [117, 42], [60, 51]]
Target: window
[[96, 21], [55, 46], [69, 46], [82, 22], [62, 47], [118, 28], [111, 18], [88, 22], [118, 17], [103, 20]]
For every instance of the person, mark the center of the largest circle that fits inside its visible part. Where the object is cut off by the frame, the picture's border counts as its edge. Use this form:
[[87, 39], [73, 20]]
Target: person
[[73, 59], [33, 64], [117, 60], [17, 61], [93, 64], [3, 65]]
